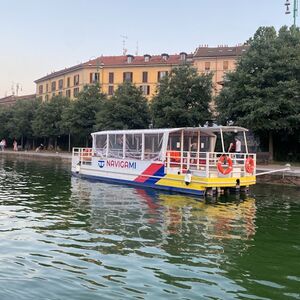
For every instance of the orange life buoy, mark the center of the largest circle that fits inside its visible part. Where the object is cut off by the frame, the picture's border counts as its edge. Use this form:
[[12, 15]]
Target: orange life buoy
[[249, 165], [220, 163]]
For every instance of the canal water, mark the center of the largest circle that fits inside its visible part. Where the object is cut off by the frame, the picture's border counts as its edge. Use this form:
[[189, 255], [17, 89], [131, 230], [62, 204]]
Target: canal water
[[66, 238]]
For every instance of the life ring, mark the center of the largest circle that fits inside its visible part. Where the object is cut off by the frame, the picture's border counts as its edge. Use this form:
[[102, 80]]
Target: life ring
[[249, 165], [220, 163]]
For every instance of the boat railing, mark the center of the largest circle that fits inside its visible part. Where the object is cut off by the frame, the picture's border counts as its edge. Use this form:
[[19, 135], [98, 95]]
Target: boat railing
[[211, 164], [86, 154], [206, 164]]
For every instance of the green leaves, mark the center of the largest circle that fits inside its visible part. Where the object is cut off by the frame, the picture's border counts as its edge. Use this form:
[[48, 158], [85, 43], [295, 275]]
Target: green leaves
[[183, 99], [47, 121], [263, 93], [80, 118], [127, 109]]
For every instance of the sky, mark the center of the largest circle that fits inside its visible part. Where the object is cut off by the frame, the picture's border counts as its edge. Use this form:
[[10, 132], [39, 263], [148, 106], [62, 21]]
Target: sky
[[42, 36]]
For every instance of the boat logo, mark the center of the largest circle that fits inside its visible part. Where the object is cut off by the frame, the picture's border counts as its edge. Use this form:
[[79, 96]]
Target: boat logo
[[101, 163]]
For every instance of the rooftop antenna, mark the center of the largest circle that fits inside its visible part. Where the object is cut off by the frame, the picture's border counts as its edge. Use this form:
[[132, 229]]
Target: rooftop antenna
[[13, 88], [18, 87], [137, 48], [124, 38]]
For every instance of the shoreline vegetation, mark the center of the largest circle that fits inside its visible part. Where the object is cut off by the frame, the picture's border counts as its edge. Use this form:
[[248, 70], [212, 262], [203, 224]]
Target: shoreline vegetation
[[289, 178]]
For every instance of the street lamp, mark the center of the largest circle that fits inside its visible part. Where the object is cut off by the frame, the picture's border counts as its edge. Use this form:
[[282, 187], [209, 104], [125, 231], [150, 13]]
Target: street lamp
[[295, 9]]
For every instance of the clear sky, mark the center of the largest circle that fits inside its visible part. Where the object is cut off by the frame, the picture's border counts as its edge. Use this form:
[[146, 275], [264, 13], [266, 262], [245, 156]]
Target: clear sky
[[41, 36]]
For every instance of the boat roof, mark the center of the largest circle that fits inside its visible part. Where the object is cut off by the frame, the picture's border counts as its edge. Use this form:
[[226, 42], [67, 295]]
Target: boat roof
[[207, 130]]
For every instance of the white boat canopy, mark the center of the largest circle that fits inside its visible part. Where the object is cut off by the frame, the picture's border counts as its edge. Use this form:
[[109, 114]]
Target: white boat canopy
[[207, 130], [137, 143]]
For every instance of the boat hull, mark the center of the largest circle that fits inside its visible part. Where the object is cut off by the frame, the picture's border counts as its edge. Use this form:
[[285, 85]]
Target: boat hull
[[150, 174]]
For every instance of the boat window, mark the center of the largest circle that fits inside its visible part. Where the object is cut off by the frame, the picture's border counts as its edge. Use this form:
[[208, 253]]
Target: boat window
[[174, 141], [101, 144], [153, 146], [190, 141], [115, 146], [204, 144], [133, 146]]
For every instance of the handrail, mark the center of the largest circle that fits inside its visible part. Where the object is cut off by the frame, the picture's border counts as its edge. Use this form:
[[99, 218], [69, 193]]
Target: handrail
[[203, 162], [207, 162]]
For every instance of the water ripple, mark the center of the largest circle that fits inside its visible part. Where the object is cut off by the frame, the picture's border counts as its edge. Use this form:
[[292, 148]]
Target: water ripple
[[66, 238]]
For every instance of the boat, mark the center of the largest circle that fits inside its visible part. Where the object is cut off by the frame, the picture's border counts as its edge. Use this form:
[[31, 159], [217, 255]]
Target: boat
[[191, 160]]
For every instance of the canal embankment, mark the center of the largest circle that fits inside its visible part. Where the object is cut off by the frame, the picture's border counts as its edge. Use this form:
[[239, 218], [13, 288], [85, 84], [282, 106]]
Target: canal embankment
[[290, 177]]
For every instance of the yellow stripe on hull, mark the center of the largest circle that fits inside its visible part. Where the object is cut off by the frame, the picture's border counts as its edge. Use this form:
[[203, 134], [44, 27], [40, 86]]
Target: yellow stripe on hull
[[227, 182], [174, 180], [201, 183]]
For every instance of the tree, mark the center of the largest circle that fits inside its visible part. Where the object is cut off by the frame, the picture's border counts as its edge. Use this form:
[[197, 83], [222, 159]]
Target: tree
[[183, 99], [264, 91], [19, 125], [5, 117], [127, 109], [47, 122], [80, 118]]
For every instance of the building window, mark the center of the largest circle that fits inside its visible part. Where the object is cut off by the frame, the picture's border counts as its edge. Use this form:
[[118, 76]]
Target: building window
[[41, 89], [94, 77], [145, 77], [183, 56], [225, 65], [46, 97], [53, 94], [165, 56], [111, 77], [60, 84], [76, 80], [145, 89], [127, 76], [76, 92], [129, 59], [68, 93], [147, 57], [207, 66], [47, 88], [53, 86], [68, 82], [110, 90], [161, 75], [60, 93]]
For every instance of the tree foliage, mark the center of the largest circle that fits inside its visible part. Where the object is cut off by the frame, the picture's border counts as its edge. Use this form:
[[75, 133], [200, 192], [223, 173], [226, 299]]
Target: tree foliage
[[127, 109], [80, 118], [47, 120], [22, 114], [5, 117], [182, 99], [264, 91]]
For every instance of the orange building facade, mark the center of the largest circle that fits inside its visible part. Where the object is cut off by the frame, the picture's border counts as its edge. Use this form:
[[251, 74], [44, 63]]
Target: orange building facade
[[218, 61], [143, 71]]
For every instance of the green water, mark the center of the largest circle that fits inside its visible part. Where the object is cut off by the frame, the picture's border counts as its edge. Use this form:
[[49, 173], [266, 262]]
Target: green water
[[66, 238]]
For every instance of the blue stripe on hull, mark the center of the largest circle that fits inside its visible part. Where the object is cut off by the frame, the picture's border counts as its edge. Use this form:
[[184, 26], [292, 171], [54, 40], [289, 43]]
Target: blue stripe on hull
[[141, 184]]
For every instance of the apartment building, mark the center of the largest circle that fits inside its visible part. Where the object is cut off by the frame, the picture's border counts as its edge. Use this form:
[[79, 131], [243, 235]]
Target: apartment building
[[110, 71], [143, 71], [12, 99], [217, 60]]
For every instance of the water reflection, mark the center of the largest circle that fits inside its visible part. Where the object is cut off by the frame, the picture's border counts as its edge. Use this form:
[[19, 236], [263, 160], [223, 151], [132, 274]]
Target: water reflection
[[64, 237], [227, 218]]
